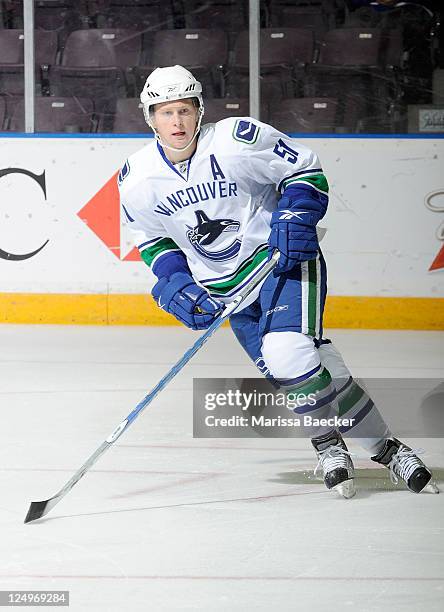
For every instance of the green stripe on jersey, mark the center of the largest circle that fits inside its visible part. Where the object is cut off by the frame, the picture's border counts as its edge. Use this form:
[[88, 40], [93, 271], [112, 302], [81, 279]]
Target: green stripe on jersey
[[151, 252], [312, 294], [242, 272], [318, 181]]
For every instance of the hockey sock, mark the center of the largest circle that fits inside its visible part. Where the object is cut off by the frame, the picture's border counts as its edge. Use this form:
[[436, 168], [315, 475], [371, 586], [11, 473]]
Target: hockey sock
[[314, 401], [367, 427]]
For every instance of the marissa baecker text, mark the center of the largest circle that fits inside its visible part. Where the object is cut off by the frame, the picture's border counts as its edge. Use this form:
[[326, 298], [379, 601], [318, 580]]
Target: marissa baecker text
[[261, 421]]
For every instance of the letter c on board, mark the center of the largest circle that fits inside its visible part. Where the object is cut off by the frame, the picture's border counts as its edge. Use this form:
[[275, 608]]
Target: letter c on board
[[40, 180]]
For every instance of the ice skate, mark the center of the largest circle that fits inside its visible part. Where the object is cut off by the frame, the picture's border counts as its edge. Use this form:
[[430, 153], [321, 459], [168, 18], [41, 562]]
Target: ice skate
[[403, 464], [336, 463]]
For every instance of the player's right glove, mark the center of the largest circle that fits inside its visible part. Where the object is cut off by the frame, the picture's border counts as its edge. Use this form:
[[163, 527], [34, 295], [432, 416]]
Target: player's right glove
[[182, 297]]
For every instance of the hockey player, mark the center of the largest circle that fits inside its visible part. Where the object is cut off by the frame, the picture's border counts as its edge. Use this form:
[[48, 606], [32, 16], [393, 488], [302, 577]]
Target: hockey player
[[207, 205]]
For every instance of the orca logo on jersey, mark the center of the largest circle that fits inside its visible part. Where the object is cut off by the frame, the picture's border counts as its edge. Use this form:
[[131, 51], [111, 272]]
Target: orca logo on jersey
[[207, 231]]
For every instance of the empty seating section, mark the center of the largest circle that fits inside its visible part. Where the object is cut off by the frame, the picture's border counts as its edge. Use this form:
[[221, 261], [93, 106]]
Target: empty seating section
[[59, 16], [127, 118], [316, 115], [226, 15], [357, 65], [142, 15], [284, 53], [220, 108], [12, 58], [203, 51], [97, 64], [326, 66], [313, 16], [360, 47], [53, 114]]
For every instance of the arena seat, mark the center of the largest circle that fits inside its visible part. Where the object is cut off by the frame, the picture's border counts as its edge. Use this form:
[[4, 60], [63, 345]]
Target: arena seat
[[51, 15], [284, 54], [372, 47], [56, 114], [229, 15], [97, 64], [220, 108], [419, 27], [279, 46], [358, 64], [127, 118], [322, 115], [61, 16], [204, 52], [12, 57], [144, 15], [298, 15]]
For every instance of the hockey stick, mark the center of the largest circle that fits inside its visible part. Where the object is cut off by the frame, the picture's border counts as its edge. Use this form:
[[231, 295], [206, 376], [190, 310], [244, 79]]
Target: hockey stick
[[40, 508]]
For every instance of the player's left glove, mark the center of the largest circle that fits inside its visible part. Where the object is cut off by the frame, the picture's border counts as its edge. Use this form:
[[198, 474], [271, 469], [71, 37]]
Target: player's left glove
[[293, 233], [182, 297]]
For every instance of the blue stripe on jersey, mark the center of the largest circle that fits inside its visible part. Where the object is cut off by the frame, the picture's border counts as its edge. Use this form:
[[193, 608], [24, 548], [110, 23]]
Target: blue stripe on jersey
[[172, 166], [128, 216], [144, 244]]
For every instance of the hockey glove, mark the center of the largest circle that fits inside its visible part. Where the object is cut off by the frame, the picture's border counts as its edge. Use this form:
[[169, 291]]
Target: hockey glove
[[190, 304], [293, 233]]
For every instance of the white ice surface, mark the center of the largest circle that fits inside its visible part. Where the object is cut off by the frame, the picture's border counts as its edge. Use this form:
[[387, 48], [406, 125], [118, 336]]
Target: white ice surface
[[167, 522]]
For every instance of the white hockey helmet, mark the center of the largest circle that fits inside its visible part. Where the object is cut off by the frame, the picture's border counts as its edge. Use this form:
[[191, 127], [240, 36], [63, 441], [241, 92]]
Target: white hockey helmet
[[170, 84]]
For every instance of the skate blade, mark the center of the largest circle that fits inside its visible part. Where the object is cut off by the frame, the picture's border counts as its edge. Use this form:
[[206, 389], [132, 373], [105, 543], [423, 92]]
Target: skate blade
[[346, 488], [431, 487]]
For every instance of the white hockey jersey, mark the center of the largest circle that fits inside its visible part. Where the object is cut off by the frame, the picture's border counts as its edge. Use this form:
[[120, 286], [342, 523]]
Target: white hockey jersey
[[215, 208]]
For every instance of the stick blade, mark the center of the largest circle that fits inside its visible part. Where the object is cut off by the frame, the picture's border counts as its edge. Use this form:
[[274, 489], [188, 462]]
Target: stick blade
[[40, 508]]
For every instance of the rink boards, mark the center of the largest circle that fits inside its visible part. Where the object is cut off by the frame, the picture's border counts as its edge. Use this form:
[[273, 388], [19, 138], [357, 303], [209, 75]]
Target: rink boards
[[66, 256]]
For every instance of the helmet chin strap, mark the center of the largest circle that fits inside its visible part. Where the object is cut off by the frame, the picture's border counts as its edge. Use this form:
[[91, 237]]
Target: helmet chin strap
[[176, 150]]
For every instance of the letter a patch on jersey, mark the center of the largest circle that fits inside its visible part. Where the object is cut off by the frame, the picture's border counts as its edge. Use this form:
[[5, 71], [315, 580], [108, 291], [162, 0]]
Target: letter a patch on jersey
[[245, 131], [216, 169]]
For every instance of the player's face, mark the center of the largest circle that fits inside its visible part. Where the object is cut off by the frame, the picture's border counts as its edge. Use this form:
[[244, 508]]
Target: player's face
[[175, 122]]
